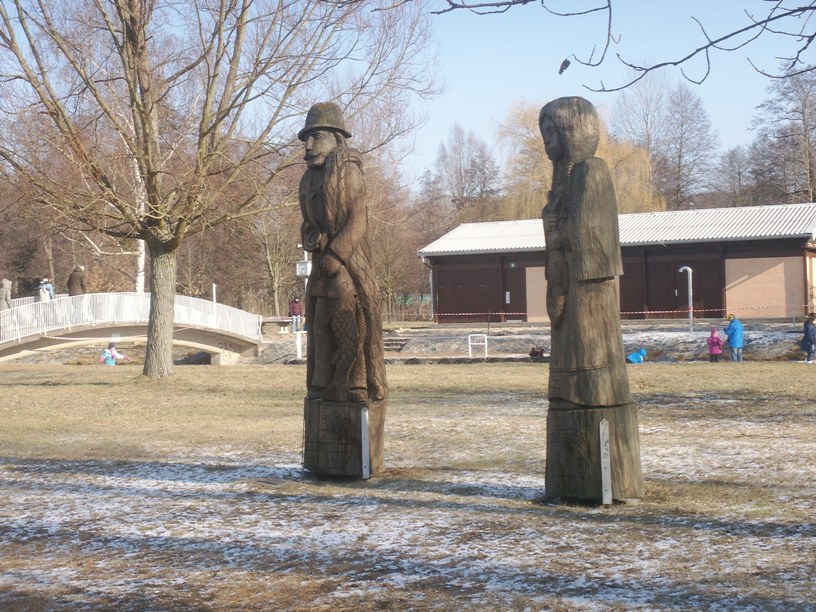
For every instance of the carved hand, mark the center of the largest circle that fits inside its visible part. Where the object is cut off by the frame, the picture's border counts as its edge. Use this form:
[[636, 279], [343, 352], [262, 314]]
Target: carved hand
[[312, 239]]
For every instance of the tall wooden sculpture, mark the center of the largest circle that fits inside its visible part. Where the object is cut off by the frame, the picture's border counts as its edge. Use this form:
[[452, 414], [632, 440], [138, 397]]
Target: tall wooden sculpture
[[588, 381], [345, 403]]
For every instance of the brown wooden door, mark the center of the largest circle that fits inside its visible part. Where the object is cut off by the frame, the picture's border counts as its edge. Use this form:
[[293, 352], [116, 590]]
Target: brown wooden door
[[707, 287], [632, 291], [661, 297], [667, 294], [467, 292], [514, 294]]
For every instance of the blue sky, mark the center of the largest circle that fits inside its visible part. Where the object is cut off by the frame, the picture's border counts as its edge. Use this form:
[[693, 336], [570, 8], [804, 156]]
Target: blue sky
[[490, 62]]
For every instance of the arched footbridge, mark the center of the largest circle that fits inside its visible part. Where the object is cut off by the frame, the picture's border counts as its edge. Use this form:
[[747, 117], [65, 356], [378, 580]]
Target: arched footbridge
[[31, 327]]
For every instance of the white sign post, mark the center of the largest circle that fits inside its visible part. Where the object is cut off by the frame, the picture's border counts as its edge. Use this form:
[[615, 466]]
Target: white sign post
[[606, 464], [366, 460]]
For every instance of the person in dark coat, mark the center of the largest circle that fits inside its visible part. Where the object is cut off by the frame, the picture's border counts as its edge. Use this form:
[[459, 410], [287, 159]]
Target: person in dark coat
[[808, 343], [296, 312], [76, 281]]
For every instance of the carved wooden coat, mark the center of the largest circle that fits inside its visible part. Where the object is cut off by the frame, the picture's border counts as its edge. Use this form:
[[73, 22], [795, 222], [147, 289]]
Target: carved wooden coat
[[336, 225], [587, 362], [588, 381]]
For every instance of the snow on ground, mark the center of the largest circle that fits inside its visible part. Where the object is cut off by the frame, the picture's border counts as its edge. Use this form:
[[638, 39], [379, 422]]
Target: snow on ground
[[223, 528], [125, 534]]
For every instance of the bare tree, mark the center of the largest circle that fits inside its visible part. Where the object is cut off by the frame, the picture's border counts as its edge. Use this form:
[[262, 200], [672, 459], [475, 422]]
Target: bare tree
[[684, 160], [174, 117], [641, 111], [276, 236], [397, 236], [789, 117], [731, 178], [640, 116], [432, 211], [791, 27], [467, 170], [775, 173]]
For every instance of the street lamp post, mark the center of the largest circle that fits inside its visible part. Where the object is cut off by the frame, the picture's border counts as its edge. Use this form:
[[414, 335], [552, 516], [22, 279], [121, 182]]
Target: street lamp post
[[690, 297], [303, 268]]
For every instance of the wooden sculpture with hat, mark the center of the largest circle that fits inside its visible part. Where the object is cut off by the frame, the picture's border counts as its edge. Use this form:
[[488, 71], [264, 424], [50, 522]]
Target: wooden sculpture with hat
[[345, 372]]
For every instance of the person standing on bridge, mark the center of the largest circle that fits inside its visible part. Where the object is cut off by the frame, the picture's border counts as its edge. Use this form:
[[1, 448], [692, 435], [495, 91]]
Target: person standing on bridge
[[45, 291], [76, 281], [5, 294]]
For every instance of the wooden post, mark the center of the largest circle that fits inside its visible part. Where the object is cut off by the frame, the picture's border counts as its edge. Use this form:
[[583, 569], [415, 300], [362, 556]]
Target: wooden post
[[574, 453], [334, 442]]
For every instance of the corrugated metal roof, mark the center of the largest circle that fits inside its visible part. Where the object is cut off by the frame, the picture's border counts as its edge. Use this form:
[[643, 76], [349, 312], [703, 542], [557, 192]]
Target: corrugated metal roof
[[490, 237], [640, 229], [719, 224]]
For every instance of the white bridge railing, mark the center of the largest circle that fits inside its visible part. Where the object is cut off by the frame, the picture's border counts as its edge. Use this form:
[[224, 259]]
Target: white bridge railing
[[29, 318]]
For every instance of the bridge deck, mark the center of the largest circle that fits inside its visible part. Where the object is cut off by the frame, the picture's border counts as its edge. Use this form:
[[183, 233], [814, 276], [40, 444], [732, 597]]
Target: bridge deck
[[88, 319]]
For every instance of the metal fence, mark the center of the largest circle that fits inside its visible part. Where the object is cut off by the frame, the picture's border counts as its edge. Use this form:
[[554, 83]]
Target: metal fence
[[28, 317]]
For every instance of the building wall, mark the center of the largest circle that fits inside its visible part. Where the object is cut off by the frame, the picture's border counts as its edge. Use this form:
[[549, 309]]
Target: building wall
[[765, 287], [753, 279], [467, 291], [470, 288], [811, 282], [536, 295], [653, 287]]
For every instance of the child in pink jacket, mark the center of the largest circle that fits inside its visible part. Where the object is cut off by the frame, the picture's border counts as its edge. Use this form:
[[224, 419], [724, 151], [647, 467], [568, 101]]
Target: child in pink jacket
[[715, 345]]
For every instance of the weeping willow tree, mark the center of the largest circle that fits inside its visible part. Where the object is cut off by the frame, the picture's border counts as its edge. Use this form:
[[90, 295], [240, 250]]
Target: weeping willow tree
[[528, 171]]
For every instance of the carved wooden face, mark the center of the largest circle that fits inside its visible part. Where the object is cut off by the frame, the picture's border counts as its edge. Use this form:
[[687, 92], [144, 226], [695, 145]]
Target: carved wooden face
[[552, 139], [319, 143], [573, 127]]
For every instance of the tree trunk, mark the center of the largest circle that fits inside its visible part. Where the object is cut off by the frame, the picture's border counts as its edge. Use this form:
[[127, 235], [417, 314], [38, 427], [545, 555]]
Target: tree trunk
[[276, 297], [141, 258], [159, 355], [49, 257]]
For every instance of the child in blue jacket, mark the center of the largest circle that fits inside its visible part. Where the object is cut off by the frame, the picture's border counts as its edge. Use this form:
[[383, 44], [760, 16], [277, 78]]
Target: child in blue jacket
[[636, 357], [110, 355]]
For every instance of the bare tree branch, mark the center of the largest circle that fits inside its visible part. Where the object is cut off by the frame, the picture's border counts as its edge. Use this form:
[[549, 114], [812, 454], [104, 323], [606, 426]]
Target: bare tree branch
[[779, 20]]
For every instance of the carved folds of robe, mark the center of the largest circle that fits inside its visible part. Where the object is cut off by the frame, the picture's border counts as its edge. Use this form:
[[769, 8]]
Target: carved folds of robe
[[587, 363], [344, 340]]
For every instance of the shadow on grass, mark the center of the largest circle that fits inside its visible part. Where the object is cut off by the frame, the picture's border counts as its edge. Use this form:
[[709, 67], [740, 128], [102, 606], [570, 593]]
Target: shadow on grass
[[385, 491], [462, 576]]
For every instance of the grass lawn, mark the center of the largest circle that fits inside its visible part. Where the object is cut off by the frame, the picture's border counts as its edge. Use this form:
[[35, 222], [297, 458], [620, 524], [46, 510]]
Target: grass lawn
[[122, 493]]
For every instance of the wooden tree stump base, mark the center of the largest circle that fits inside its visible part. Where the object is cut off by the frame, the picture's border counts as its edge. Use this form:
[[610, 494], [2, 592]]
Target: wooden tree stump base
[[574, 453], [333, 443]]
